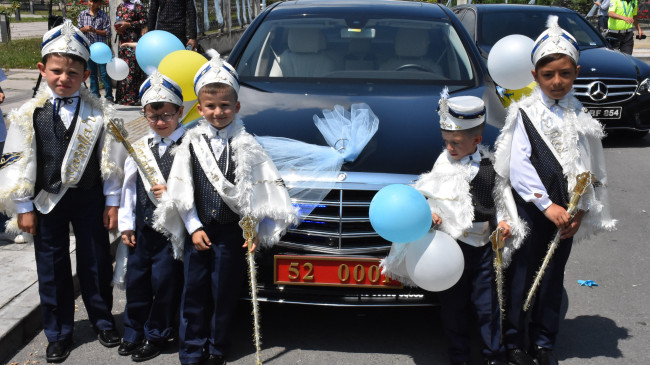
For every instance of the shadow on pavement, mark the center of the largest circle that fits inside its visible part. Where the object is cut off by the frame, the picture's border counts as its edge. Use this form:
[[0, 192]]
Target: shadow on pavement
[[587, 337]]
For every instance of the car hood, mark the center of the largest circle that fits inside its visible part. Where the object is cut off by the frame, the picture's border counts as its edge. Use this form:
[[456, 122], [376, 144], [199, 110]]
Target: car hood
[[604, 63], [408, 138]]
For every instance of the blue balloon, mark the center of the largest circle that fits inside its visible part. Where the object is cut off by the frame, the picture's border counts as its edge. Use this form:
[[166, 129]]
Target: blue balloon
[[100, 53], [153, 47], [399, 213]]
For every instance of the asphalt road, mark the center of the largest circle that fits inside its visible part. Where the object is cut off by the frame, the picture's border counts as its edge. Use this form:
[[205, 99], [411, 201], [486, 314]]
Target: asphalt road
[[604, 325]]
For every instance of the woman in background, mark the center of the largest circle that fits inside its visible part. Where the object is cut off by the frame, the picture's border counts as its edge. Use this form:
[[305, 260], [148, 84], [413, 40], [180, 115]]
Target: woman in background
[[130, 25]]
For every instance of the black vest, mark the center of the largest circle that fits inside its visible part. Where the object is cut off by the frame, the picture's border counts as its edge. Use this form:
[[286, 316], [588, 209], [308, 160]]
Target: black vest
[[209, 205], [547, 166], [481, 188], [144, 207], [52, 141]]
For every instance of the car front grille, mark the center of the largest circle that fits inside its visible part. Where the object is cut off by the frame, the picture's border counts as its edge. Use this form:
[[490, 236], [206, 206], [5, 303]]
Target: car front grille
[[339, 224], [601, 91]]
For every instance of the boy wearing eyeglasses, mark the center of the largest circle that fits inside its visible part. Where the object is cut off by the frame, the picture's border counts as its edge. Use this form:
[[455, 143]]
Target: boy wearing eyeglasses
[[154, 277]]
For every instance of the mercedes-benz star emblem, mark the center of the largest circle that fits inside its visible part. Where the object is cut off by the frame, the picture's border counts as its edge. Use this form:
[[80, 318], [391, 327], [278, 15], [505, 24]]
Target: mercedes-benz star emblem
[[597, 91]]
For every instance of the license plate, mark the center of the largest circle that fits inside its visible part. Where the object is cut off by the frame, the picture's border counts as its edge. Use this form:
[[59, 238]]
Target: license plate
[[331, 271], [606, 113]]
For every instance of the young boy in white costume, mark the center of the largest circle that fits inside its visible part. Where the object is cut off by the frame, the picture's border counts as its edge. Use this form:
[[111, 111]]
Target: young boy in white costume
[[63, 168], [154, 278], [461, 190], [547, 140], [220, 175]]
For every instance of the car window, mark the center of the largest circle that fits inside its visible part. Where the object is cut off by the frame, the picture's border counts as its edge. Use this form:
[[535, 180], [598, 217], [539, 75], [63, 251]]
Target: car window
[[494, 26], [356, 49]]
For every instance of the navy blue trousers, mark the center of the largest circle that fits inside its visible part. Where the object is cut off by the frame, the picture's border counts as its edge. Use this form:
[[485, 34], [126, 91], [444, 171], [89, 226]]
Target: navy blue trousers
[[473, 296], [213, 281], [84, 209], [545, 309], [154, 281]]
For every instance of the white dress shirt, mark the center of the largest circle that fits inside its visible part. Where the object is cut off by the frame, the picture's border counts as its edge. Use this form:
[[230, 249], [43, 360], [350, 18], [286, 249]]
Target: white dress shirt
[[523, 176], [126, 213]]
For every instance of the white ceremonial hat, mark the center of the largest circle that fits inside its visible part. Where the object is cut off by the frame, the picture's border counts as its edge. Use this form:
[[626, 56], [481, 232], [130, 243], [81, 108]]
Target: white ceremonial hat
[[216, 71], [460, 112], [555, 40], [66, 38], [160, 88]]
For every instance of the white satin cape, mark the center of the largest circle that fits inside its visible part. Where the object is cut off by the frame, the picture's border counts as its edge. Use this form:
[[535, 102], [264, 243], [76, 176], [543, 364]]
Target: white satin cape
[[446, 188], [17, 179], [579, 145], [258, 189]]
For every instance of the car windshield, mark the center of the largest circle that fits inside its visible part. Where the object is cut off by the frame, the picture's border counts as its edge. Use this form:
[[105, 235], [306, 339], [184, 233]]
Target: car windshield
[[375, 49], [496, 25]]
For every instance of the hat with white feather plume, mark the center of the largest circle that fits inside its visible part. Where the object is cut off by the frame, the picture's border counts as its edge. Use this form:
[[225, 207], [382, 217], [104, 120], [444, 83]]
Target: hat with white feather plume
[[216, 71], [555, 40]]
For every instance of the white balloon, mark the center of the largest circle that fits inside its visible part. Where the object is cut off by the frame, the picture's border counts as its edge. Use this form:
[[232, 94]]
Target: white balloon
[[117, 69], [509, 61], [435, 261]]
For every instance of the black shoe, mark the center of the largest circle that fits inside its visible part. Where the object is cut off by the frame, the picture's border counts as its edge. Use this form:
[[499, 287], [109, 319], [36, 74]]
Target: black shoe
[[127, 348], [519, 357], [58, 351], [214, 360], [147, 351], [109, 338], [543, 356]]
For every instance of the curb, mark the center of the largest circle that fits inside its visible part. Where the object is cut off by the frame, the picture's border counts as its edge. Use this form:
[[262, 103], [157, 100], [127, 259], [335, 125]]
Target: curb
[[21, 318]]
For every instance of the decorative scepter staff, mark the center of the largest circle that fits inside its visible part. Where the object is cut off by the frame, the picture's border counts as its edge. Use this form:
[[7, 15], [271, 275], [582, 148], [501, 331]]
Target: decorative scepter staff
[[248, 224], [497, 246], [116, 128], [583, 181]]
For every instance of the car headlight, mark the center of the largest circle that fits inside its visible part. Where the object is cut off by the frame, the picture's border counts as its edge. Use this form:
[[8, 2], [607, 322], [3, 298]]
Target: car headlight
[[644, 87]]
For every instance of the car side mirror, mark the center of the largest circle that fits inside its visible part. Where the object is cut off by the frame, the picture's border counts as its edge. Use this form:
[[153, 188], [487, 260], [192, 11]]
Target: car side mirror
[[613, 42]]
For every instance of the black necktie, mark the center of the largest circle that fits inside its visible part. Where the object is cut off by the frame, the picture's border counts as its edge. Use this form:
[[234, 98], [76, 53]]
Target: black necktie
[[58, 102]]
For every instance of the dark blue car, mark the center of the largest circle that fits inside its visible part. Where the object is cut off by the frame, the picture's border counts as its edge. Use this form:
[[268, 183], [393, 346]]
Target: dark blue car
[[300, 57], [614, 86]]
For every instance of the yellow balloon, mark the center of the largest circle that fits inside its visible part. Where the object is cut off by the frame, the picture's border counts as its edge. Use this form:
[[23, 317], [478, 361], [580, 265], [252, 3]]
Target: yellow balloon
[[511, 96], [192, 114], [181, 66]]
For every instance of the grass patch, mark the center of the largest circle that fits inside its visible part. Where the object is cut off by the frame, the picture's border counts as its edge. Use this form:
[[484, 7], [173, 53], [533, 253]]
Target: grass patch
[[21, 53]]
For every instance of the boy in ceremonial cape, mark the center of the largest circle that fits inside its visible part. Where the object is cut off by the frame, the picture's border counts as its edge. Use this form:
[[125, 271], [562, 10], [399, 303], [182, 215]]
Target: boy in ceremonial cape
[[466, 203], [154, 278], [548, 139], [220, 175], [61, 167]]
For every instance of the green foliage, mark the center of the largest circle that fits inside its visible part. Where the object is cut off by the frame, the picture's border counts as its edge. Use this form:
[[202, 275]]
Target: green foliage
[[21, 53], [73, 11]]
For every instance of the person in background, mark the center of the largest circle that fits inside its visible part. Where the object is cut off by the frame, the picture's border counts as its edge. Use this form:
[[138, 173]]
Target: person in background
[[603, 8], [96, 26], [130, 25], [621, 23], [177, 17]]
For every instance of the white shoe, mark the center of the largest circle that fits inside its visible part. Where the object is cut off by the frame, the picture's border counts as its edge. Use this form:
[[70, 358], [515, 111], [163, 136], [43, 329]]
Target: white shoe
[[24, 238]]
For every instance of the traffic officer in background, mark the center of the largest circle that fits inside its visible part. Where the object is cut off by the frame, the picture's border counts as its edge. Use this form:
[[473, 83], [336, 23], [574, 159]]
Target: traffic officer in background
[[622, 19]]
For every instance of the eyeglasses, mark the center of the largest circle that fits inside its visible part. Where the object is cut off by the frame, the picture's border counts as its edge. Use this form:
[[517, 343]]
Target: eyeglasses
[[153, 118]]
